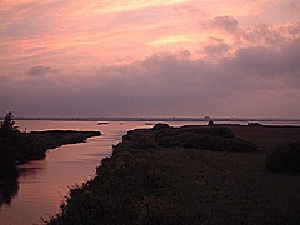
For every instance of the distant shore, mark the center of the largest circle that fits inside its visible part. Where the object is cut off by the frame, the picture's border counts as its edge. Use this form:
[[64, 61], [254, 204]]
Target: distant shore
[[200, 119]]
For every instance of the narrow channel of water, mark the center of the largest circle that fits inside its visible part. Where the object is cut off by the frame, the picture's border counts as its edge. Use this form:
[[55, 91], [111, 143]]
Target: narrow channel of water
[[42, 185]]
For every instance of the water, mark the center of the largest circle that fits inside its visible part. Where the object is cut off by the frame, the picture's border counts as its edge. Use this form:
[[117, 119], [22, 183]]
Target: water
[[42, 185]]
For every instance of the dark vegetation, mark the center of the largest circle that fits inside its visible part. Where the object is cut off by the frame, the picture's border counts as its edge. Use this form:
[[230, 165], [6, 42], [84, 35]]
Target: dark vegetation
[[281, 145], [189, 137], [192, 175], [285, 158]]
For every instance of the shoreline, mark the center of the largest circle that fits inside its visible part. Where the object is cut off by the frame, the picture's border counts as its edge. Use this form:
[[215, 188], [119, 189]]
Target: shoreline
[[50, 139], [20, 148]]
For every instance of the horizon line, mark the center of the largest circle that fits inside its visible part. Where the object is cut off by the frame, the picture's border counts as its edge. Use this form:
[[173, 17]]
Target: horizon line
[[160, 118]]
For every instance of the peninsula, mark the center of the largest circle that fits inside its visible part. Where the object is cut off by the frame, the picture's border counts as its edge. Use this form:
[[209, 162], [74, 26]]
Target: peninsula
[[19, 148]]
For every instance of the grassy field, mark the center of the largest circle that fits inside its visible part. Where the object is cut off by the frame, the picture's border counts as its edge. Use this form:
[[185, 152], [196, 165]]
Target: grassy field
[[166, 176]]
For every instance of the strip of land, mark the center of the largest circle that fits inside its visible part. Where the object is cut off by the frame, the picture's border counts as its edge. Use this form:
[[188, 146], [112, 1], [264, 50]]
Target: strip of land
[[189, 175], [18, 148]]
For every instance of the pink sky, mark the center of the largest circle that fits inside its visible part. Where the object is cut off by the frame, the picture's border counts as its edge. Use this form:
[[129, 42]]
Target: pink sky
[[150, 58]]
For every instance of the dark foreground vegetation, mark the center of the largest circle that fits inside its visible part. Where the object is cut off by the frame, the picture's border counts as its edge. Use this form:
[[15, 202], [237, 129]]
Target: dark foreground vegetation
[[285, 158], [192, 175]]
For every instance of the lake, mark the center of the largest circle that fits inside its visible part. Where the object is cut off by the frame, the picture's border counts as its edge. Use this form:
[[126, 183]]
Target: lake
[[42, 185]]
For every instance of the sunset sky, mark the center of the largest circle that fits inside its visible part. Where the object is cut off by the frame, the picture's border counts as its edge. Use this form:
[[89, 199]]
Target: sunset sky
[[83, 58]]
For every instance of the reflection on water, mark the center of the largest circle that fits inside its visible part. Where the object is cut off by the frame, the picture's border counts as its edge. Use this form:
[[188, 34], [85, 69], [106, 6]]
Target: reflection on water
[[8, 190], [9, 187]]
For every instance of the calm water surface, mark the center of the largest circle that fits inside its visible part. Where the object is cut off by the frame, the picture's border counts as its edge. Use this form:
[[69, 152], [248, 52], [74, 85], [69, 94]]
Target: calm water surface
[[42, 185]]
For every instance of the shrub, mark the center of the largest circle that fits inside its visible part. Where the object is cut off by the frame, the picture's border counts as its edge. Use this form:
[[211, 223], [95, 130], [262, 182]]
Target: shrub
[[160, 126], [285, 159], [203, 138], [237, 145]]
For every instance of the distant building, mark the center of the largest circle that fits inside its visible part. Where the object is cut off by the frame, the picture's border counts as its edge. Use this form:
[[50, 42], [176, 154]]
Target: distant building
[[206, 117]]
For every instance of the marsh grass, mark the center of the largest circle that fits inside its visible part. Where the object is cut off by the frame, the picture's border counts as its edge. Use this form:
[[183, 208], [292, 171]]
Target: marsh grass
[[146, 181]]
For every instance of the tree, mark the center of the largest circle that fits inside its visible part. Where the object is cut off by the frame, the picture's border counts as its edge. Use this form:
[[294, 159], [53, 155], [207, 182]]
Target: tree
[[8, 123]]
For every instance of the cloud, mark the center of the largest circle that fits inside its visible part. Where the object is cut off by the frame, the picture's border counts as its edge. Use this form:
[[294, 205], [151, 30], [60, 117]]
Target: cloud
[[294, 7], [267, 61], [228, 23], [264, 35], [185, 54], [36, 71], [216, 49], [294, 28]]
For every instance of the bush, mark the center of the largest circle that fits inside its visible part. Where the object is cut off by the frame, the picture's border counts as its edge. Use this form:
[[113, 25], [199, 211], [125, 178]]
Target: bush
[[160, 126], [237, 145], [285, 159], [203, 138]]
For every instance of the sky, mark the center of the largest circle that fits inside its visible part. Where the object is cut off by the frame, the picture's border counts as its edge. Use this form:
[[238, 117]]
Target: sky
[[127, 58]]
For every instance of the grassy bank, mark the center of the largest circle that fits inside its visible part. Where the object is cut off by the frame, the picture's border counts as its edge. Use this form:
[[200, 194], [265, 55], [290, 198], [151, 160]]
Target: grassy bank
[[191, 175], [17, 147]]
